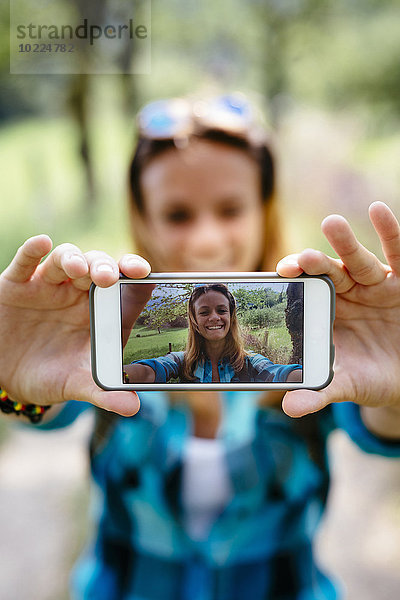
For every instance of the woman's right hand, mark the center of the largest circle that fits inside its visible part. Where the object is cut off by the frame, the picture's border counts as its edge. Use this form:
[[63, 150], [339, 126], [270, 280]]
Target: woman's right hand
[[44, 324]]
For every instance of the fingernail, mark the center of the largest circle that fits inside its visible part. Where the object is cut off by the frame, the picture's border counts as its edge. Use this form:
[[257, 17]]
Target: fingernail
[[104, 268], [289, 261], [133, 261], [79, 258]]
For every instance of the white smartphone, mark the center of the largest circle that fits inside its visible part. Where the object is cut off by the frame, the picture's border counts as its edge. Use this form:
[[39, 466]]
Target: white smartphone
[[213, 331]]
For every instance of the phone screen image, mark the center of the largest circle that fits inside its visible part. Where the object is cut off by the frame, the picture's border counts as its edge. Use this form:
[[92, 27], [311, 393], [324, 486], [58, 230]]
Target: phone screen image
[[217, 332]]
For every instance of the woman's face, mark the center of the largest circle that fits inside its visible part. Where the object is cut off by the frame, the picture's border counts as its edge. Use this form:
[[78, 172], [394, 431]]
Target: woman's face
[[203, 208], [211, 311]]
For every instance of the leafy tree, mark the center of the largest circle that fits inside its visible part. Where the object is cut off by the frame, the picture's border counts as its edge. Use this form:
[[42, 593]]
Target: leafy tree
[[249, 299], [264, 318], [167, 304]]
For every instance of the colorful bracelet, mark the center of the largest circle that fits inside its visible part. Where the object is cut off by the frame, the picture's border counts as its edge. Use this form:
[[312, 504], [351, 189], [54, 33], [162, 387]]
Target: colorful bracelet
[[33, 412]]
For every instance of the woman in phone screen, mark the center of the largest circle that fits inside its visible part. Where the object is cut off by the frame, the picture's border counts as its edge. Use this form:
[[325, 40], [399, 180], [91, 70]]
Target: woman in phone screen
[[214, 350]]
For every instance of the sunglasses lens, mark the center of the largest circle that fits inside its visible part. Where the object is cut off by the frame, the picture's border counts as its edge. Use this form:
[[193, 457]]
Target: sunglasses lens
[[232, 113], [165, 118], [235, 104]]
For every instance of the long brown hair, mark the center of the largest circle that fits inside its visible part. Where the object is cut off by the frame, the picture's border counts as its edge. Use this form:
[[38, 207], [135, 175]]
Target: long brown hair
[[195, 350]]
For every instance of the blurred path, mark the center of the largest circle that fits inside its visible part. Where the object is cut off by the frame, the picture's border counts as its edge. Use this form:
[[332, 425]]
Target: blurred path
[[360, 537], [43, 510]]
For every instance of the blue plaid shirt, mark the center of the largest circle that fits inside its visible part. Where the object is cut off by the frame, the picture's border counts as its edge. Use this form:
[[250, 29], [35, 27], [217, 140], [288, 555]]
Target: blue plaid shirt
[[257, 368], [259, 547]]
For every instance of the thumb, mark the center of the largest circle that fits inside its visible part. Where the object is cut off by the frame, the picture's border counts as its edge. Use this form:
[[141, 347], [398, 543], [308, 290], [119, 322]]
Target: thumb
[[125, 404], [303, 402]]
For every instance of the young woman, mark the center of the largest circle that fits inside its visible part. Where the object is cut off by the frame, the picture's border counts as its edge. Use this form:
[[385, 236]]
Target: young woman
[[214, 350], [206, 495]]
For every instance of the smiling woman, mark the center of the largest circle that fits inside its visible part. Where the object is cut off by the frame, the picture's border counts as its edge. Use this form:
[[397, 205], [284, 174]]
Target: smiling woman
[[214, 350]]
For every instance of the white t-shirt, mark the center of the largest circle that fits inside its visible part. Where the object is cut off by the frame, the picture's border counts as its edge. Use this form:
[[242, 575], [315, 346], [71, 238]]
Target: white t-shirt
[[206, 485]]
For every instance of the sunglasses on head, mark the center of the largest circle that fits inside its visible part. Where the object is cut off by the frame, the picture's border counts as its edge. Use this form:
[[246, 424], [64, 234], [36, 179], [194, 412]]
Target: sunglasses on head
[[178, 118]]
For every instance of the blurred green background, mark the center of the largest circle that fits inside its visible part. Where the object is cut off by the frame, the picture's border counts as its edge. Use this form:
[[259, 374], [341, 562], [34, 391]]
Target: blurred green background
[[325, 73]]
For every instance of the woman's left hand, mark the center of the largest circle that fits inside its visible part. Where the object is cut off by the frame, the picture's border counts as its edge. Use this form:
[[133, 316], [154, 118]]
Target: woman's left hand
[[367, 324]]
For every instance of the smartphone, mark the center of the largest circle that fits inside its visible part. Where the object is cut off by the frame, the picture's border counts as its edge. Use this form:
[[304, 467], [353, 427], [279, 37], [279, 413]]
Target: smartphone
[[213, 331]]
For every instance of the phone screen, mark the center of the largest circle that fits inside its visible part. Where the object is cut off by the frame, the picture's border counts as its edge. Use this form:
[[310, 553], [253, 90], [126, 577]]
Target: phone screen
[[216, 332]]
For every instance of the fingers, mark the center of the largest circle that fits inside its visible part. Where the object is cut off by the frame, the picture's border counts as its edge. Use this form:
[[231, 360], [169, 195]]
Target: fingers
[[388, 230], [104, 270], [314, 262], [356, 264], [27, 259], [134, 266], [65, 262], [363, 266], [68, 262]]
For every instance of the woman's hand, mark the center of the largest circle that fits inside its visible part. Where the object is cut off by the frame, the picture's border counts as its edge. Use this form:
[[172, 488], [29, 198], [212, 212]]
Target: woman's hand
[[44, 324], [367, 324]]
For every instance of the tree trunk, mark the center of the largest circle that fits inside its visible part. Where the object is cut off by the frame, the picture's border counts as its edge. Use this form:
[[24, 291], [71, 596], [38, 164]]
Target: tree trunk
[[294, 316]]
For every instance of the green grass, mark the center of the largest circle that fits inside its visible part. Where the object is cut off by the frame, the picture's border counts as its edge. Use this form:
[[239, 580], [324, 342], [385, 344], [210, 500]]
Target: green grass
[[278, 337], [277, 348], [151, 344], [279, 345]]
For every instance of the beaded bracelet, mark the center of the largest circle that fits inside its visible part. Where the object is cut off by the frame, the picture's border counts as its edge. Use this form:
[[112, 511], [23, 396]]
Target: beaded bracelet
[[33, 412]]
